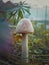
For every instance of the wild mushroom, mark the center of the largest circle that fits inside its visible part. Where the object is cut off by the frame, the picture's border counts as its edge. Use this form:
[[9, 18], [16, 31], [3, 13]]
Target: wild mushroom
[[24, 27]]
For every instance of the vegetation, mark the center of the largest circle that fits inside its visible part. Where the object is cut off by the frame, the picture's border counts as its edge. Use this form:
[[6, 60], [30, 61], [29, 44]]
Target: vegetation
[[38, 41], [16, 15]]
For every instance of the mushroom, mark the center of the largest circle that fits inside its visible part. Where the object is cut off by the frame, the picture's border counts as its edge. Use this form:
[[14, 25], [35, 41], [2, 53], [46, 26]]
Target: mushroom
[[24, 27]]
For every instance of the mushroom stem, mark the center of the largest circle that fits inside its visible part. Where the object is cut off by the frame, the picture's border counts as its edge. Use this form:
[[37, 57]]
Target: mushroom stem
[[25, 47]]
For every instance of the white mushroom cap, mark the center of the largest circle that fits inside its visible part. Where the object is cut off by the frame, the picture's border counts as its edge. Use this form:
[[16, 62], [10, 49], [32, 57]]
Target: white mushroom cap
[[24, 26]]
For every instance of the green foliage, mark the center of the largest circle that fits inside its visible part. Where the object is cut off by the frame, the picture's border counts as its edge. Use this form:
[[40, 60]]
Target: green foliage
[[39, 47], [18, 14], [40, 35]]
